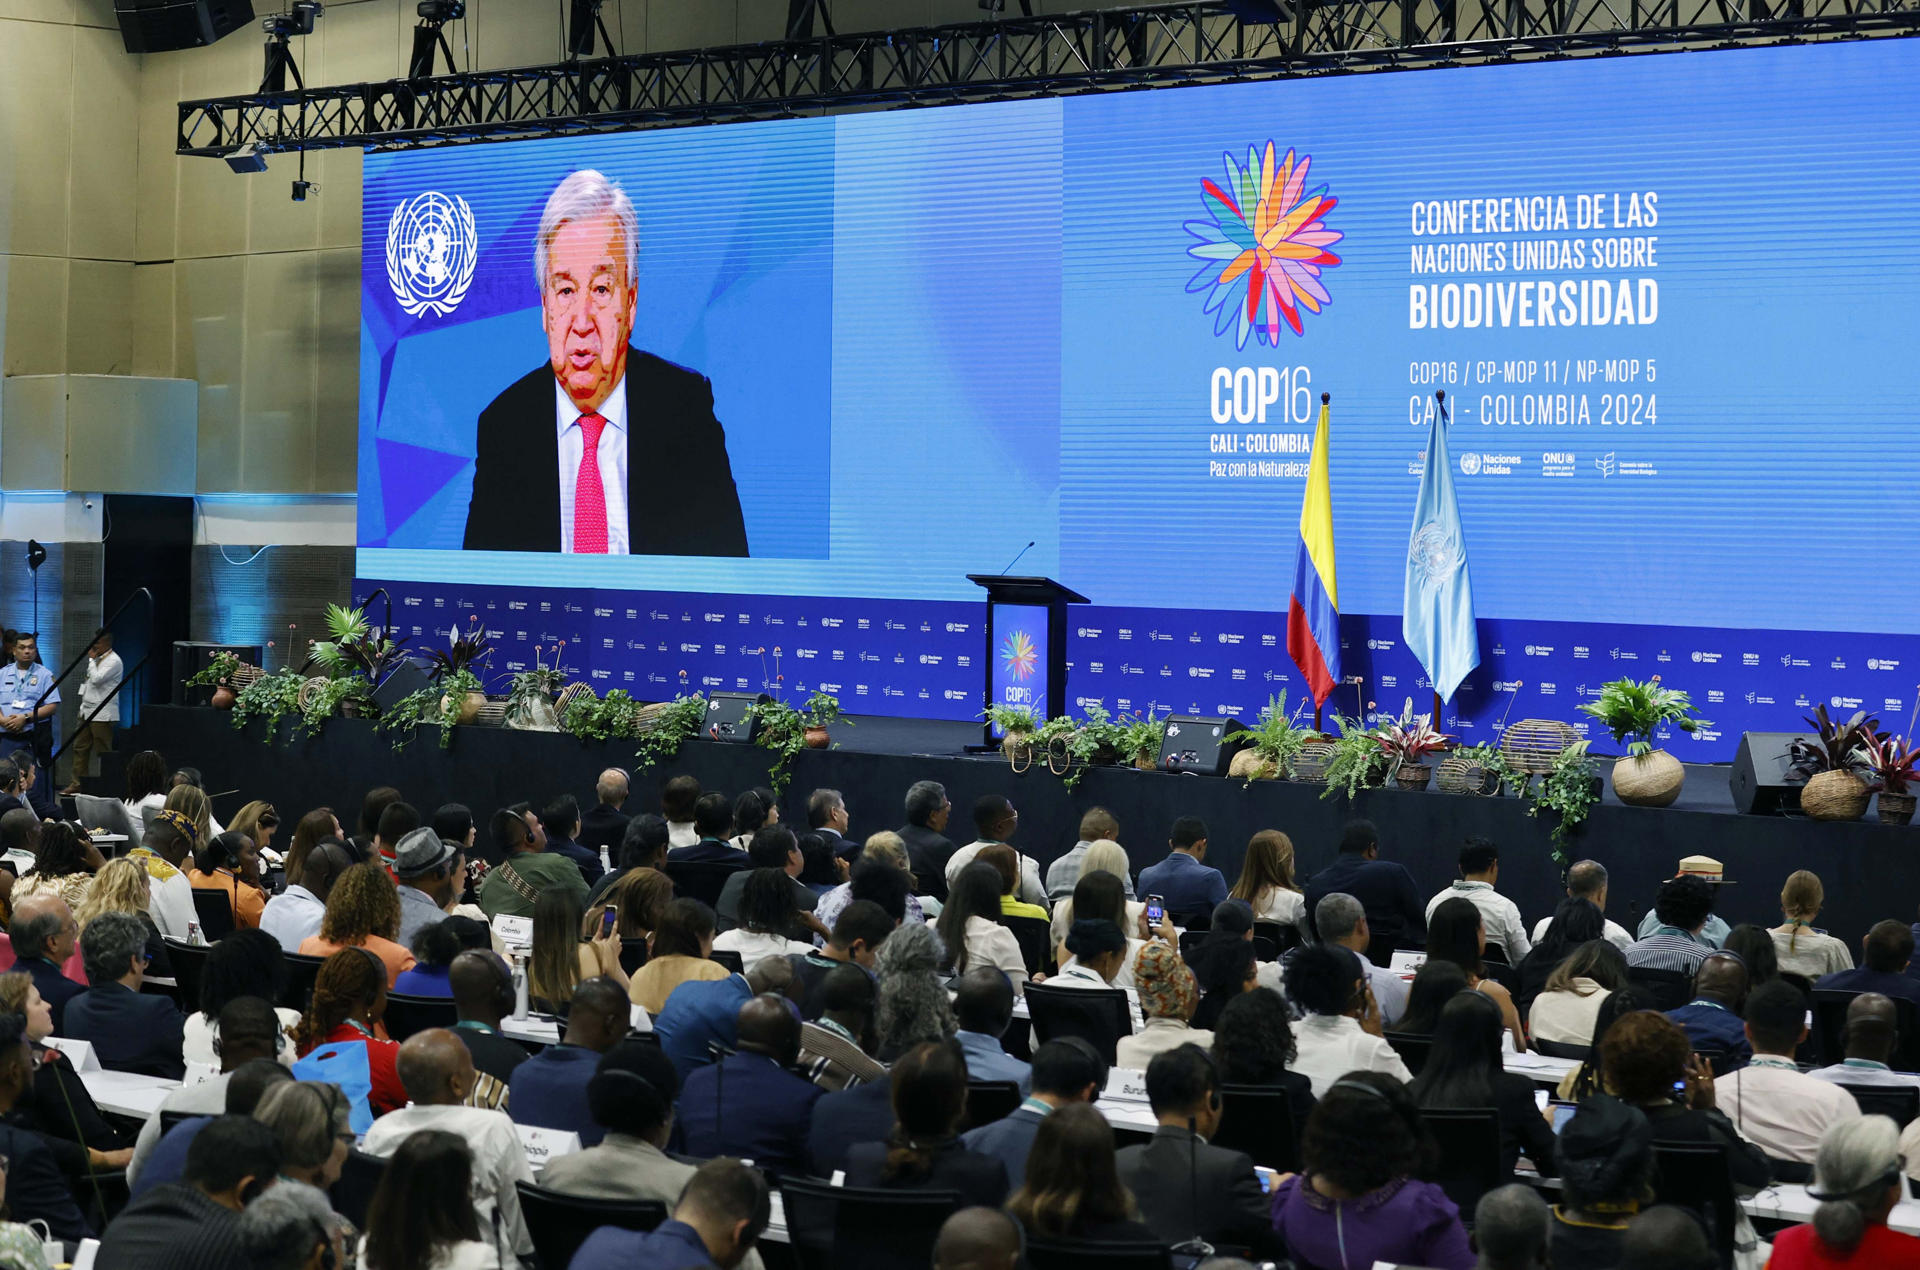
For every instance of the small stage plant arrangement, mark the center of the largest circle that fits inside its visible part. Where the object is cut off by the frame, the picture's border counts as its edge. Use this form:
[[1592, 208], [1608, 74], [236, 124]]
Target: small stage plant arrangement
[[1356, 759], [1634, 711], [531, 692], [786, 731], [615, 716], [272, 696], [1017, 724], [1269, 749], [1889, 766], [1406, 742], [1070, 746], [226, 674], [1834, 763], [667, 725], [1141, 736], [453, 694], [352, 660]]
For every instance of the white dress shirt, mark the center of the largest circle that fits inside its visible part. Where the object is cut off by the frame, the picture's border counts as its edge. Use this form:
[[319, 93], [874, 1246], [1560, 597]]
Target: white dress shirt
[[1614, 933], [755, 946], [991, 944], [680, 833], [1781, 1109], [1075, 975], [1864, 1071], [1289, 908], [200, 1031], [1032, 890], [498, 1162], [612, 453], [1498, 914], [293, 916], [103, 676], [1331, 1045]]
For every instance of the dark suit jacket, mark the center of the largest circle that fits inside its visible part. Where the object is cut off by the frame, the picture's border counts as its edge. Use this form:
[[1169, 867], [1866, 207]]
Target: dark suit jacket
[[975, 1178], [1008, 1140], [1165, 1176], [35, 1187], [55, 988], [680, 495], [603, 826], [840, 1120], [928, 853], [1385, 890], [750, 1107], [588, 862], [130, 1031]]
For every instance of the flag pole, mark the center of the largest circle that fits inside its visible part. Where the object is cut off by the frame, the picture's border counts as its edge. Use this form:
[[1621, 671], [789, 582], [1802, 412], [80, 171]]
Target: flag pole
[[1440, 396]]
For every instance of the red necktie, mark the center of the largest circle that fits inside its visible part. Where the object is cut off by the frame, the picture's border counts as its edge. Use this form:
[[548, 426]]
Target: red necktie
[[589, 496]]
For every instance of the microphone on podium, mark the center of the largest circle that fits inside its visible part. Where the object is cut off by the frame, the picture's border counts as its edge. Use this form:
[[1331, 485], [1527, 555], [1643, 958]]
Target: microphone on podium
[[1016, 555]]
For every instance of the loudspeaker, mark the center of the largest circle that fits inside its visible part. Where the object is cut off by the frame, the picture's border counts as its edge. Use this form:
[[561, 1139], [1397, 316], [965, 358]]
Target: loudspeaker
[[1759, 779], [405, 679], [190, 658], [731, 717], [1198, 743], [158, 26]]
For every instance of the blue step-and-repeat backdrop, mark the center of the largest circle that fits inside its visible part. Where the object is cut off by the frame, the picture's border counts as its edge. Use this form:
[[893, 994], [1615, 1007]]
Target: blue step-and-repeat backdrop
[[738, 408]]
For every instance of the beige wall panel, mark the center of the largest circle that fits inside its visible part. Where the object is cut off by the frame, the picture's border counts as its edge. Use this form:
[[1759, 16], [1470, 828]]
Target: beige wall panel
[[54, 11], [127, 435], [875, 15], [100, 317], [230, 67], [629, 24], [360, 43], [274, 221], [33, 437], [36, 82], [336, 419], [153, 313], [213, 205], [96, 13], [338, 172], [158, 178], [512, 35], [36, 335], [687, 24], [763, 20], [213, 292], [106, 94], [278, 375]]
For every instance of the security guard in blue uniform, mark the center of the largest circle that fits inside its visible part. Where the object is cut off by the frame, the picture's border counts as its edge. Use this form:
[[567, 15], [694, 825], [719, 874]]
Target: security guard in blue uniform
[[26, 722]]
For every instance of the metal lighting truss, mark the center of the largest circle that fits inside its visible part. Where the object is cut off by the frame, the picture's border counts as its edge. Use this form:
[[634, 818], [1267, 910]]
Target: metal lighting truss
[[1199, 41]]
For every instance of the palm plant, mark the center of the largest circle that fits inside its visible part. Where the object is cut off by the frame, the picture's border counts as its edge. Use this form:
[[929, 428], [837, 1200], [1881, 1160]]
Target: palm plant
[[1632, 711]]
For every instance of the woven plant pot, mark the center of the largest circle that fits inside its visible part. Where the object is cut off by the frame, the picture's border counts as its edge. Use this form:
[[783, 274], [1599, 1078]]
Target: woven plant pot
[[1531, 745], [1310, 764], [492, 715], [244, 674], [568, 693], [1652, 780], [1413, 775], [1018, 747], [1834, 795], [310, 689], [1896, 809], [1460, 775], [1249, 765]]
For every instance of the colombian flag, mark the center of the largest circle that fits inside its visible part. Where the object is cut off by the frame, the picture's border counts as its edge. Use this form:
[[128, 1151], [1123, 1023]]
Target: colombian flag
[[1313, 614]]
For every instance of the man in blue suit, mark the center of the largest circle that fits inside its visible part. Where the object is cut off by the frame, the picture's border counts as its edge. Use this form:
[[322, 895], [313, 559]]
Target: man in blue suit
[[1188, 886], [706, 1011], [720, 1216], [561, 820], [847, 1118], [1064, 1071], [129, 1032], [749, 1104], [43, 932]]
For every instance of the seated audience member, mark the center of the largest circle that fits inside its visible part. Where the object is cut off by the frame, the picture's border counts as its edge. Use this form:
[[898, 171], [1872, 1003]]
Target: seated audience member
[[397, 820], [1754, 945], [1096, 824], [367, 828], [129, 1031], [434, 947], [983, 1011], [1099, 952], [1186, 1187], [1100, 896], [1885, 951], [766, 1110], [680, 953], [1168, 997], [1870, 1038], [431, 873], [1184, 881], [247, 963], [702, 1014], [779, 848], [924, 1151], [753, 811], [1342, 920], [717, 1221], [526, 868], [978, 1239], [1464, 1071], [1340, 1030], [1434, 984], [1571, 998], [1573, 925], [969, 927], [164, 852], [767, 913], [311, 1120], [561, 957], [1500, 916], [438, 1074], [678, 797], [241, 1092], [314, 828], [1605, 1156], [1857, 1179], [1356, 1200], [422, 1215], [65, 861], [549, 1090], [827, 816], [1712, 1019], [293, 1227], [842, 1120], [1644, 1057], [43, 934], [1266, 881], [561, 820], [194, 1224], [122, 886], [1510, 1229], [229, 863], [1667, 1237], [928, 849], [55, 1103], [249, 1030], [1801, 949], [1103, 855], [363, 911], [642, 845], [35, 1190], [1676, 939], [1072, 1189], [914, 1006], [857, 934], [296, 914], [836, 1049], [631, 1095], [1589, 1078], [453, 823], [1777, 1107], [189, 797], [1383, 887], [1006, 862], [871, 880], [349, 999], [1456, 933], [1065, 1071], [994, 823], [640, 896], [713, 825], [1253, 1045], [1587, 880], [1224, 966], [482, 988]]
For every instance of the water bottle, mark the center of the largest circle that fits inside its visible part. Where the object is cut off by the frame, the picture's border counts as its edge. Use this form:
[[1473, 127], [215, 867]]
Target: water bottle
[[519, 987]]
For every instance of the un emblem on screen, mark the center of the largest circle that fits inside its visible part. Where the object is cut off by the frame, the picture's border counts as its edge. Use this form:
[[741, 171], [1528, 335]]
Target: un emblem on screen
[[431, 247]]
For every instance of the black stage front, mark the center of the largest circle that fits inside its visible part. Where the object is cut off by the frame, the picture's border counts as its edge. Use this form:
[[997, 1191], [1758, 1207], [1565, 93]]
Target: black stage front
[[1870, 871]]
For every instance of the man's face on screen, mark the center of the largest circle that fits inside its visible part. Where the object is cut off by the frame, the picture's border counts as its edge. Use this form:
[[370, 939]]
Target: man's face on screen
[[587, 308]]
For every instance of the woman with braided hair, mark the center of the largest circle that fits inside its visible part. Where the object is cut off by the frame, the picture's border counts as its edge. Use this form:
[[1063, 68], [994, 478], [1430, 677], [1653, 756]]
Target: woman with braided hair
[[349, 997]]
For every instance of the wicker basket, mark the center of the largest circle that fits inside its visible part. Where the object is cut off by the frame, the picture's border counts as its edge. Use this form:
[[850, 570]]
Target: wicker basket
[[493, 714], [1413, 775], [1531, 745], [1249, 764], [1018, 747], [1896, 809], [244, 674], [1654, 780], [1834, 795], [1460, 775], [568, 695], [311, 689], [1310, 764]]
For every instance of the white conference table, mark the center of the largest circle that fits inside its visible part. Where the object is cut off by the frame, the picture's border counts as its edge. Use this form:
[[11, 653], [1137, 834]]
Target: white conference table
[[127, 1093]]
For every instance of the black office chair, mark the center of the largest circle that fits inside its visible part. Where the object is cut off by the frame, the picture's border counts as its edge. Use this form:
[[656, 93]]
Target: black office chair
[[1412, 1047], [359, 1178], [1668, 989], [1051, 1254], [1694, 1175], [1561, 1049], [1469, 1140], [407, 1015], [1036, 942], [1098, 1016], [633, 955], [189, 963], [1501, 973], [857, 1228], [1898, 1103], [301, 972], [170, 1120], [988, 1101], [701, 880], [215, 912], [1258, 1119], [559, 1224], [731, 960], [1283, 938], [1830, 1028]]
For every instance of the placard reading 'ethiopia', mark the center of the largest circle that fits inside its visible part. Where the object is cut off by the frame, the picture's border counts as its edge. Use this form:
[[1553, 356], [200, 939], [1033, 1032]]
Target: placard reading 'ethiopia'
[[1670, 300]]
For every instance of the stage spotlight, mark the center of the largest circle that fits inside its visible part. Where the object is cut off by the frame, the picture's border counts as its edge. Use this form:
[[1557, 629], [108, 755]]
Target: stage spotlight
[[1000, 6], [800, 18], [428, 37], [280, 28], [582, 22], [303, 188], [248, 158]]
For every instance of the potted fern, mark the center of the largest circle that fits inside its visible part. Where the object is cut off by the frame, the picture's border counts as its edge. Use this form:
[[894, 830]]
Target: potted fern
[[1633, 712], [1355, 759], [1889, 763], [1268, 749], [1017, 725], [1406, 742], [1832, 763], [1140, 739]]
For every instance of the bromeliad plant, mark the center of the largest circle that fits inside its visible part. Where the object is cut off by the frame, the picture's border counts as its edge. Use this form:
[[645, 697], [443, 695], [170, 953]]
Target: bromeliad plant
[[1633, 711], [465, 651], [1889, 763], [1410, 738], [1840, 747]]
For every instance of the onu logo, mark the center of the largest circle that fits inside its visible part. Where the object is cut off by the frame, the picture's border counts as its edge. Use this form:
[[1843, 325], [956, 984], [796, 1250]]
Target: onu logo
[[431, 249]]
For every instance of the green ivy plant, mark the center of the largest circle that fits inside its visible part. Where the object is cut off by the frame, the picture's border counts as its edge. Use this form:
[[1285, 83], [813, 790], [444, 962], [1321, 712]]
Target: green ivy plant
[[1632, 710], [219, 671], [1012, 718], [602, 718], [1357, 762], [782, 731], [662, 736], [1081, 742], [422, 705], [823, 711], [1490, 759], [1569, 792], [272, 697], [325, 702]]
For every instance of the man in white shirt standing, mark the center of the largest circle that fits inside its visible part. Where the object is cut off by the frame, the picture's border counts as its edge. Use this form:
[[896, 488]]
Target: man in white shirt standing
[[1341, 1030], [1873, 1033], [95, 735], [1773, 1104], [1587, 880], [1479, 874], [437, 1071]]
